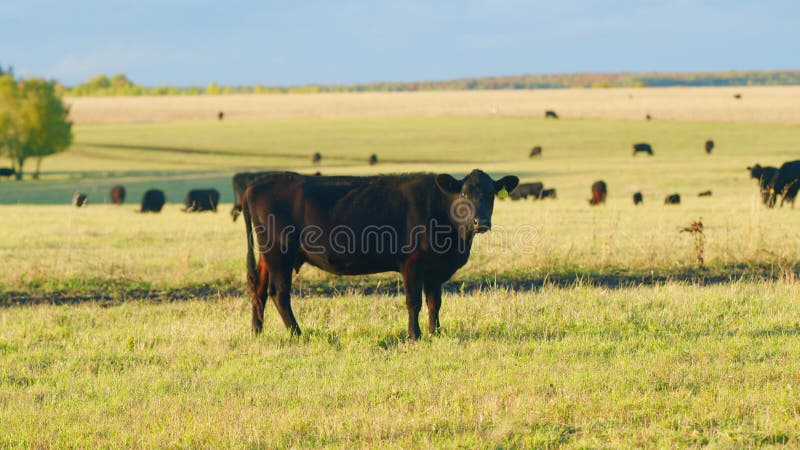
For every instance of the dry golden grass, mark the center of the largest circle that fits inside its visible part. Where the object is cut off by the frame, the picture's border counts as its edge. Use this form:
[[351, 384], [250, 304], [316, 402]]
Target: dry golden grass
[[758, 104]]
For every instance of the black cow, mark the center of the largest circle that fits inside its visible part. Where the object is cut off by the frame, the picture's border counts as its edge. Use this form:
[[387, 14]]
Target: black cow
[[241, 181], [421, 225], [785, 183], [535, 151], [705, 194], [7, 172], [548, 193], [673, 199], [198, 200], [764, 175], [316, 158], [153, 200], [525, 190], [737, 96], [550, 115], [709, 146], [373, 159], [117, 195], [637, 198], [599, 193], [220, 115], [79, 199], [648, 117], [642, 147]]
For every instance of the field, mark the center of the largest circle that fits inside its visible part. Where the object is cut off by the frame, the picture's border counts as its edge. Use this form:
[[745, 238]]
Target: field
[[570, 325]]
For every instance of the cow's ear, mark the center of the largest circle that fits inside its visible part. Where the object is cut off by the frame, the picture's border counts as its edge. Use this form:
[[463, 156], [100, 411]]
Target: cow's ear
[[509, 182], [448, 184]]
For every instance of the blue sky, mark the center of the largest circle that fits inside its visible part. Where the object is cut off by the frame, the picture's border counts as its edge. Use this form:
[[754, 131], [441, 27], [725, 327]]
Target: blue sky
[[192, 42]]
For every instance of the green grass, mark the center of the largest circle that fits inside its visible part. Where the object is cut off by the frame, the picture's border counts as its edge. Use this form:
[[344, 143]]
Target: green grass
[[663, 366], [669, 365]]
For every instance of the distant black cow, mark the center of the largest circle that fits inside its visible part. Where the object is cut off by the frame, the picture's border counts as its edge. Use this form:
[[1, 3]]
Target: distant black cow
[[318, 174], [550, 115], [642, 147], [599, 193], [7, 172], [117, 195], [79, 199], [709, 146], [764, 175], [220, 115], [525, 190], [673, 199], [535, 151], [648, 117], [705, 194], [637, 198], [785, 183], [548, 193], [737, 96], [241, 181], [316, 158], [420, 225], [373, 159], [198, 200], [153, 200]]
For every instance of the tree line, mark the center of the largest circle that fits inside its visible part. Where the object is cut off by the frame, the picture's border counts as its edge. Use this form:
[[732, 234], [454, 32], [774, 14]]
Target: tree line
[[120, 84], [34, 121]]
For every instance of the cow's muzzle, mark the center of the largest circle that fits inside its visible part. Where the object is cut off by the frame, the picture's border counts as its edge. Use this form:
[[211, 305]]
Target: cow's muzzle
[[482, 226]]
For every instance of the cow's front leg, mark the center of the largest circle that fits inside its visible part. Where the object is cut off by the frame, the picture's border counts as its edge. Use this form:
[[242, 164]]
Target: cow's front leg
[[412, 279], [433, 297]]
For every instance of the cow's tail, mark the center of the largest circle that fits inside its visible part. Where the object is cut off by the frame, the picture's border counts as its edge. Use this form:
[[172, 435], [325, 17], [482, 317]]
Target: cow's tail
[[252, 277]]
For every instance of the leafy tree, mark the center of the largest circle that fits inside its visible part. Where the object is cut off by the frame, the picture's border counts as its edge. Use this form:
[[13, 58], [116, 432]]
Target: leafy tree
[[33, 122]]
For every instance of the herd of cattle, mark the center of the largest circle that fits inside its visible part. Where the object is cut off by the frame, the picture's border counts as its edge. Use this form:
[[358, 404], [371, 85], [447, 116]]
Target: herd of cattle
[[277, 204], [772, 181]]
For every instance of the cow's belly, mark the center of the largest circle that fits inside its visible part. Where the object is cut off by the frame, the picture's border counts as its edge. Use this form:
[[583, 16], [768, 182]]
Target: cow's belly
[[353, 265]]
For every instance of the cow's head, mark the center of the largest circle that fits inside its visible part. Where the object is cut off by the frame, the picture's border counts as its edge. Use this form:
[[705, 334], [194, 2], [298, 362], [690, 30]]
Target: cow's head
[[755, 171], [473, 200]]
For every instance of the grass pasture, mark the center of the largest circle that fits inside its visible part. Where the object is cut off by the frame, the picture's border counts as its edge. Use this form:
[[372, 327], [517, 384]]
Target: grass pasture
[[570, 326]]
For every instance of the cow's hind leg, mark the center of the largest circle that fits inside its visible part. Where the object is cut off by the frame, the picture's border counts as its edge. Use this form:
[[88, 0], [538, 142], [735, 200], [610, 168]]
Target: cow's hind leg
[[280, 290], [258, 288], [433, 297]]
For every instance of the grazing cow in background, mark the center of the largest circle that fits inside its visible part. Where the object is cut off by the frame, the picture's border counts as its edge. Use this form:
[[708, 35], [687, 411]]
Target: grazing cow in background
[[198, 200], [709, 146], [7, 172], [705, 194], [535, 151], [599, 193], [637, 198], [737, 96], [422, 225], [220, 115], [525, 190], [548, 193], [240, 183], [79, 199], [764, 175], [648, 117], [673, 199], [152, 201], [785, 183], [373, 159], [550, 115], [642, 147], [316, 158], [117, 195]]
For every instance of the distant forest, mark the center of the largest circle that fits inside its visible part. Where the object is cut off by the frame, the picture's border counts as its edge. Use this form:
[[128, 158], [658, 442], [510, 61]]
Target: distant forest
[[120, 84]]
